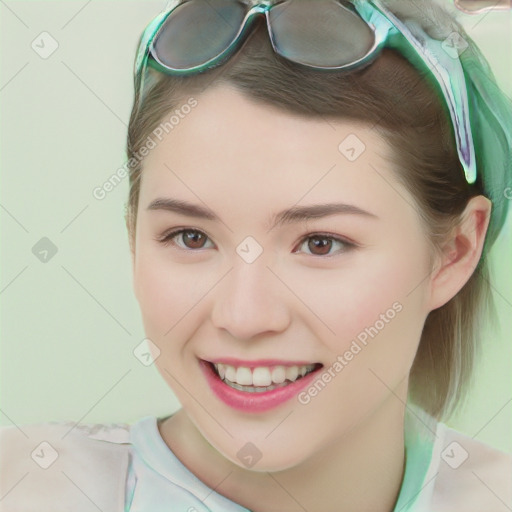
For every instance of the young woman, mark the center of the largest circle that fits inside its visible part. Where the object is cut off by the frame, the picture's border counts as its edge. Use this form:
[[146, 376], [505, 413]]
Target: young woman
[[314, 187]]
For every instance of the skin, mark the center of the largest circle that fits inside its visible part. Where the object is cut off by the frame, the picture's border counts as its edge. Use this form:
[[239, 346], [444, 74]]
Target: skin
[[246, 160]]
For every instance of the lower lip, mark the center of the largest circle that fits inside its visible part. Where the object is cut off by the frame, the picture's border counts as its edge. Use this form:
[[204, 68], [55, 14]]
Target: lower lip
[[257, 401]]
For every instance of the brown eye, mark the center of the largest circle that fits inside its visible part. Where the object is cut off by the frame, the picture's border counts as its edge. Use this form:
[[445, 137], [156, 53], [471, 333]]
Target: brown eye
[[190, 239], [194, 238], [320, 245], [317, 244]]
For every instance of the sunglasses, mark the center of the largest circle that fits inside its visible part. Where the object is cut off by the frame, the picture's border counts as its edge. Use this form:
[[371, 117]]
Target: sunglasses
[[191, 36]]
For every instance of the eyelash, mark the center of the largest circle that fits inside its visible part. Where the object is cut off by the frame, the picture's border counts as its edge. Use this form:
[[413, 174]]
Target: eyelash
[[167, 239]]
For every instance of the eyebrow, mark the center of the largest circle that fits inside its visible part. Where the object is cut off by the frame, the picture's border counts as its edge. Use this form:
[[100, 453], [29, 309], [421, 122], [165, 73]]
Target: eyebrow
[[291, 215]]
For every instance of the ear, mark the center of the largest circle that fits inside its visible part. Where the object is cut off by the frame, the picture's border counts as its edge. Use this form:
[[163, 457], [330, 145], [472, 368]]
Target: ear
[[461, 253]]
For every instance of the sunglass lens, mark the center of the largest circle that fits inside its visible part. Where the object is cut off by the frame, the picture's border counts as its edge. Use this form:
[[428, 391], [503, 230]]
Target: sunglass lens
[[319, 32], [197, 31]]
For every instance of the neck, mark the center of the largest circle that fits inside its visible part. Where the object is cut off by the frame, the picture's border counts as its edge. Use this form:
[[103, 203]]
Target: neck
[[362, 471]]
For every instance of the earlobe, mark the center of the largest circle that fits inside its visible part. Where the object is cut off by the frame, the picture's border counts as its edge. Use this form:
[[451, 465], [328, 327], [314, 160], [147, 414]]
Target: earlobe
[[462, 252]]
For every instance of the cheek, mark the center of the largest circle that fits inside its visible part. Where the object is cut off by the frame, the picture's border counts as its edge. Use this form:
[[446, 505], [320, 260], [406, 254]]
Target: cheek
[[377, 298], [165, 292], [377, 323]]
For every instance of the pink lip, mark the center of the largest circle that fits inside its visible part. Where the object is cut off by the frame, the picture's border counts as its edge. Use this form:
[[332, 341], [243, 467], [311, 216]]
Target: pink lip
[[253, 402]]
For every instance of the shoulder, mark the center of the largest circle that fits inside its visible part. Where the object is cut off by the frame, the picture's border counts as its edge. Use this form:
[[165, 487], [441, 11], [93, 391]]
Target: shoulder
[[84, 465], [472, 475]]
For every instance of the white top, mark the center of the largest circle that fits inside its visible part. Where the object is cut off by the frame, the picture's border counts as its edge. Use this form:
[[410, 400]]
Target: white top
[[57, 466]]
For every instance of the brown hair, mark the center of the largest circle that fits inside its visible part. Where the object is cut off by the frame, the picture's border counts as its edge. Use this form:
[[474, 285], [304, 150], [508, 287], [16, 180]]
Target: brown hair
[[404, 106]]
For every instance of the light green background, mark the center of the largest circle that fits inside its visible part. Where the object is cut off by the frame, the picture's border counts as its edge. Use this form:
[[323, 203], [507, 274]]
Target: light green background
[[69, 326]]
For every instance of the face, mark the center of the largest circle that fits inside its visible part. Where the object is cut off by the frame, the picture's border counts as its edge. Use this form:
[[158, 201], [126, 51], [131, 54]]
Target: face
[[346, 292]]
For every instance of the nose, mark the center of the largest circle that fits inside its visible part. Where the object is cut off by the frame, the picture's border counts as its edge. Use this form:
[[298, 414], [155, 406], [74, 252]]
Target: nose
[[251, 300]]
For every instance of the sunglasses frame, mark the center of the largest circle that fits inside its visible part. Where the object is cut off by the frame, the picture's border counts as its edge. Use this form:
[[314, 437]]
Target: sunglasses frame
[[425, 53]]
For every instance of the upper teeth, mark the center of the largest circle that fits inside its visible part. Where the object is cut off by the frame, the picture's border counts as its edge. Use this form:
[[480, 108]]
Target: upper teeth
[[261, 375]]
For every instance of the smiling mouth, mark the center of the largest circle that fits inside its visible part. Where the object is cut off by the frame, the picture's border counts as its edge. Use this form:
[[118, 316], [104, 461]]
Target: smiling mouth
[[261, 378]]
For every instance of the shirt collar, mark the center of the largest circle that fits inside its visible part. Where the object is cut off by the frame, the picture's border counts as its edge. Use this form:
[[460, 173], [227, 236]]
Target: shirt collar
[[421, 440]]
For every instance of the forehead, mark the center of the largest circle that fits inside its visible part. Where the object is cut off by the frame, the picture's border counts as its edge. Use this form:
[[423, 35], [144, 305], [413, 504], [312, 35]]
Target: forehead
[[233, 148]]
